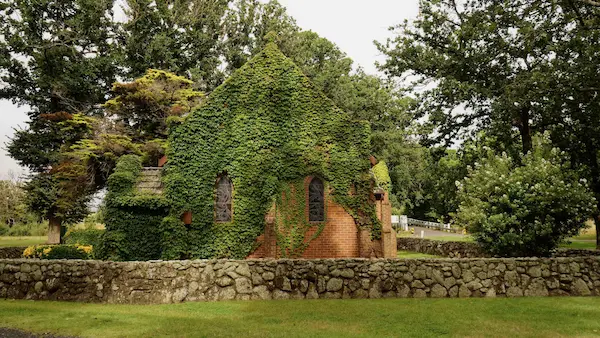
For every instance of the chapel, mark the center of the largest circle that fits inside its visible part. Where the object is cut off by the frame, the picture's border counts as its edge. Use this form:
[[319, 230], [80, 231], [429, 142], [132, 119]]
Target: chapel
[[266, 167]]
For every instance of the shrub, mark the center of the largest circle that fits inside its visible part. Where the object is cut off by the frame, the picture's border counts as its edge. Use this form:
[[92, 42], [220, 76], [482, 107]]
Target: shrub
[[58, 252], [84, 237], [524, 209]]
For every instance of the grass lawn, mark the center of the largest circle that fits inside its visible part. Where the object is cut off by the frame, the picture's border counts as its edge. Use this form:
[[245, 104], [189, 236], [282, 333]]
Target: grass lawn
[[575, 244], [502, 317], [586, 240], [410, 254], [22, 241]]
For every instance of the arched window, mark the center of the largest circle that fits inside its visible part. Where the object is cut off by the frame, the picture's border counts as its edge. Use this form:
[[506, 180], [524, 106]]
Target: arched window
[[223, 203], [316, 200]]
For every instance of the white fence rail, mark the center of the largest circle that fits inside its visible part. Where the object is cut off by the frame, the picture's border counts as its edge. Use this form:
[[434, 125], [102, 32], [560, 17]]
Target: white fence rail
[[403, 222]]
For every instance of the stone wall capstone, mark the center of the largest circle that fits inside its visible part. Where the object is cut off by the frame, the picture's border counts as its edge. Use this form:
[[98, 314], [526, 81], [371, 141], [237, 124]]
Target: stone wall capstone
[[214, 280]]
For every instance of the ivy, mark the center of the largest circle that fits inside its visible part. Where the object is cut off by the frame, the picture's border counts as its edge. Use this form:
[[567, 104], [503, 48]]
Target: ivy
[[268, 128], [291, 223], [133, 219], [382, 176]]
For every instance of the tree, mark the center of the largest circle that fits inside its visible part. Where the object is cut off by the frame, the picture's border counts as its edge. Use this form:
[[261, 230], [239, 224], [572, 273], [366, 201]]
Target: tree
[[141, 108], [524, 210], [12, 206], [509, 68], [136, 123], [57, 58], [183, 37], [245, 26], [489, 62]]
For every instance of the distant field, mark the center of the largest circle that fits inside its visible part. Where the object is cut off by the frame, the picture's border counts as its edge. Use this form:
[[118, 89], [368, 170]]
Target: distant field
[[22, 241]]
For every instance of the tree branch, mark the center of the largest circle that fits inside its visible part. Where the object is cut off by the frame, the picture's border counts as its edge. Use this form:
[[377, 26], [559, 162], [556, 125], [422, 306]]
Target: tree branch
[[591, 2]]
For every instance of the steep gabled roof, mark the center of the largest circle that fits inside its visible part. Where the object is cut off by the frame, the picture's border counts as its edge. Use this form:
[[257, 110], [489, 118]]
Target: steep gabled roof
[[150, 181]]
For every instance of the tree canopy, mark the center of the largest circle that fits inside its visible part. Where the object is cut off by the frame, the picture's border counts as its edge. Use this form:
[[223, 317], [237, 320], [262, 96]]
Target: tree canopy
[[508, 68]]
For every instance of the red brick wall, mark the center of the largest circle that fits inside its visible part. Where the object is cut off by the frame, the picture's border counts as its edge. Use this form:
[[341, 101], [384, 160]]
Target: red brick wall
[[339, 238]]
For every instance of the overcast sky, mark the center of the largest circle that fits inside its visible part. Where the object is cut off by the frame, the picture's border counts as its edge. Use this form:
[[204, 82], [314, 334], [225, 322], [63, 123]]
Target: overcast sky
[[351, 24]]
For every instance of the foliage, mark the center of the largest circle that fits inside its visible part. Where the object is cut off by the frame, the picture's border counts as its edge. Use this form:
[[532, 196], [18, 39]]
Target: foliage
[[488, 59], [133, 219], [33, 227], [292, 227], [143, 106], [182, 37], [266, 127], [525, 210], [245, 27], [57, 57], [58, 252], [443, 169], [13, 209], [382, 176], [136, 124], [509, 68], [91, 237]]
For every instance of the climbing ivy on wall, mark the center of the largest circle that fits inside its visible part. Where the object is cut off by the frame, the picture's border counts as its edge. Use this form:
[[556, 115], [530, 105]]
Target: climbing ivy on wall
[[134, 219], [266, 127], [291, 222]]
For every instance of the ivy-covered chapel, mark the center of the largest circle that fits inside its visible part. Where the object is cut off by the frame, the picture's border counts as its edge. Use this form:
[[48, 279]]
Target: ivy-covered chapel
[[266, 167]]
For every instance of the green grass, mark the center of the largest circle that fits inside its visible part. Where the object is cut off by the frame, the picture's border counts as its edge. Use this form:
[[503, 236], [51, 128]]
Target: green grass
[[583, 241], [22, 241], [410, 254], [580, 244], [502, 317]]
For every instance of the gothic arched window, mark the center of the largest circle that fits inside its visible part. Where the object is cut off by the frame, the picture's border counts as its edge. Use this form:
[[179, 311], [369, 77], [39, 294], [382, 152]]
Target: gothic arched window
[[316, 200], [223, 202]]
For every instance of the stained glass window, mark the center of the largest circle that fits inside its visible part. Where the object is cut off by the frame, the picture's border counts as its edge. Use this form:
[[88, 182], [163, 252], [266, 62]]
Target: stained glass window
[[316, 201], [223, 203]]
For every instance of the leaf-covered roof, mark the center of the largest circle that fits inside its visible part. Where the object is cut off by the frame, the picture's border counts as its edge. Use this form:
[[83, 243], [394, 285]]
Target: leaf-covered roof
[[266, 126]]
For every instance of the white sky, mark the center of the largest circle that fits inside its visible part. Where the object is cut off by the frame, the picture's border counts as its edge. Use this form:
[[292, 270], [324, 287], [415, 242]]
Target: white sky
[[351, 24]]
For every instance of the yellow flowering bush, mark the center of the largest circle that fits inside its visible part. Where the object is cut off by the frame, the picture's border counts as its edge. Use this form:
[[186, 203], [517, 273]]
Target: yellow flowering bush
[[75, 251]]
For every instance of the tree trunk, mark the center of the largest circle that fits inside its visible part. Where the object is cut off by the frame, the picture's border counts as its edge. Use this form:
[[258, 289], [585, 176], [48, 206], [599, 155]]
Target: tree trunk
[[525, 131], [597, 221], [54, 230], [595, 186]]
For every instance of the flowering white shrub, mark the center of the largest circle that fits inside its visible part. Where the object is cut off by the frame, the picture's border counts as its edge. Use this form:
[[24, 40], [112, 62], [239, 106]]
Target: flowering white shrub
[[527, 208]]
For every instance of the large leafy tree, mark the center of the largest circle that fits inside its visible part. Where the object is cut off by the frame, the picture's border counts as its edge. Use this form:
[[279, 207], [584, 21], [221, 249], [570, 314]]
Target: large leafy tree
[[183, 37], [56, 57], [136, 123], [509, 68], [487, 64]]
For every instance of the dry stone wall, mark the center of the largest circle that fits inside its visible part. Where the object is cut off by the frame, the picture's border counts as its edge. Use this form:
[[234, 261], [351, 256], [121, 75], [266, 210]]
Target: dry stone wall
[[213, 280], [469, 249], [440, 248]]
